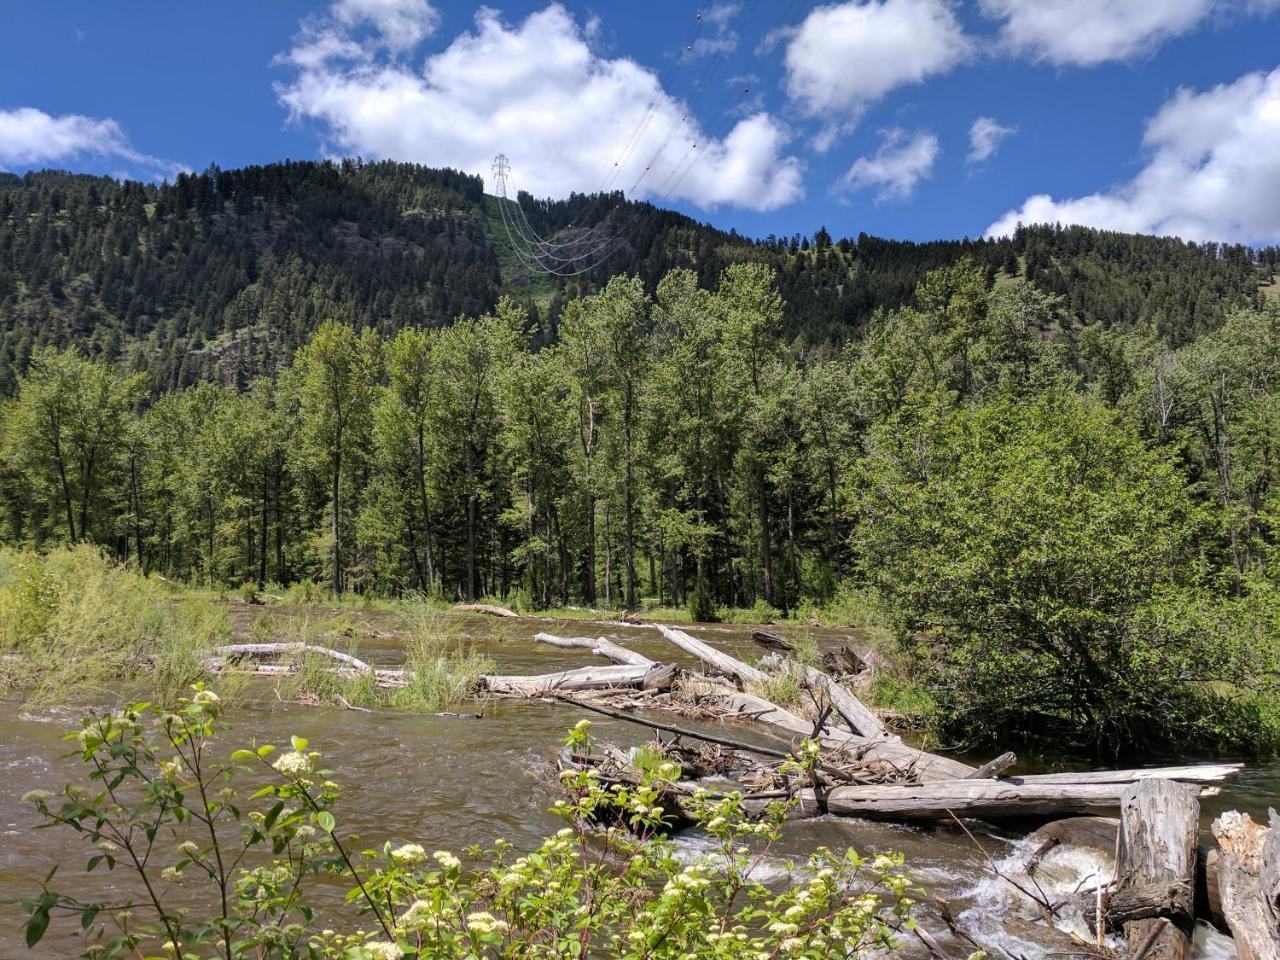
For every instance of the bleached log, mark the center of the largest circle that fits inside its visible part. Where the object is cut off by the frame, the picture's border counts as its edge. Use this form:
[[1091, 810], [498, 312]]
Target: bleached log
[[860, 718], [980, 799], [235, 650], [1159, 821], [584, 678], [1249, 882], [722, 662], [1195, 773], [597, 645], [487, 608]]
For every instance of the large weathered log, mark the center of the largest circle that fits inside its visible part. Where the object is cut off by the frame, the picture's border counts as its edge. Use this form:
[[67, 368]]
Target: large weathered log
[[1249, 882], [488, 609], [597, 645], [981, 799], [722, 662], [584, 678], [1159, 820], [1195, 773]]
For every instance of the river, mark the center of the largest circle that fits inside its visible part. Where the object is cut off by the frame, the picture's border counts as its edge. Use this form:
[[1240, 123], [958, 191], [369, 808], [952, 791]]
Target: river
[[447, 782]]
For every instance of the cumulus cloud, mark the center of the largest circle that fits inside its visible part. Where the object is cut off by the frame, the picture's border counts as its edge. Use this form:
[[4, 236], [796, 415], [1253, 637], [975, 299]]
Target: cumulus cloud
[[845, 56], [984, 138], [31, 137], [1089, 32], [536, 91], [1213, 172], [900, 163]]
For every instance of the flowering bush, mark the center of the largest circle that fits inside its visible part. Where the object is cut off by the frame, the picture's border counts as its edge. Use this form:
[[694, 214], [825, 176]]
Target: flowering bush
[[246, 835]]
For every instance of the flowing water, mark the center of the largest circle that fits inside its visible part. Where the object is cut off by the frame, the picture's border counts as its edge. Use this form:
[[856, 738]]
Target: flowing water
[[450, 781]]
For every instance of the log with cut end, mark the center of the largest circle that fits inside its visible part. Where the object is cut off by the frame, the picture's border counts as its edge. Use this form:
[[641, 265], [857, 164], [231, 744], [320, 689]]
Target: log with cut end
[[489, 609], [597, 645], [1249, 882], [1159, 822], [583, 678], [721, 662]]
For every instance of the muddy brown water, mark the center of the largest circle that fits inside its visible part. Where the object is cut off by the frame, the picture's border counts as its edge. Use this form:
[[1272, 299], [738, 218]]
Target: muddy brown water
[[447, 782]]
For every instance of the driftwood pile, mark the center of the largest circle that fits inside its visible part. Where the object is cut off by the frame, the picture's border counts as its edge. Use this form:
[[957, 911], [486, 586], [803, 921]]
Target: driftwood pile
[[865, 770]]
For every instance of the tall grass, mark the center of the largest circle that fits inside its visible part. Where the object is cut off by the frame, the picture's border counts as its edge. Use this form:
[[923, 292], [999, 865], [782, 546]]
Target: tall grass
[[71, 620], [440, 667]]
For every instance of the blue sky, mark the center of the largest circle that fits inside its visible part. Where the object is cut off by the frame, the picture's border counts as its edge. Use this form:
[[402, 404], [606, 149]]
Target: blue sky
[[869, 115]]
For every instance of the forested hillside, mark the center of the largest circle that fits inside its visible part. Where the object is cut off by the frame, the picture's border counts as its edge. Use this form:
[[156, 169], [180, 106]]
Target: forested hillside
[[1049, 460], [223, 275]]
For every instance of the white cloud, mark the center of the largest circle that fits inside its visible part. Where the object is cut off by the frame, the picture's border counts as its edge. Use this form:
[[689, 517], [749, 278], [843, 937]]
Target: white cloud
[[31, 137], [724, 38], [537, 92], [401, 24], [1089, 32], [899, 164], [1213, 172], [848, 55], [984, 138]]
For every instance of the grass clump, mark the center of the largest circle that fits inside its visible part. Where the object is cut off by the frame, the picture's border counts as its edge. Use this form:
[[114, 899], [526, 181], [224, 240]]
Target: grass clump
[[71, 620]]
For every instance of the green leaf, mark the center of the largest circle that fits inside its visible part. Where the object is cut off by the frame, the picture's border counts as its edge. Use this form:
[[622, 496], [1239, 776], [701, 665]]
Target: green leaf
[[37, 924], [325, 821], [270, 819], [299, 743], [266, 750], [243, 755]]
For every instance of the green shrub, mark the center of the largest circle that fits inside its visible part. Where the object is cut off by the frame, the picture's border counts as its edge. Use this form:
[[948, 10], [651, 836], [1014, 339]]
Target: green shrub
[[72, 619], [1041, 564]]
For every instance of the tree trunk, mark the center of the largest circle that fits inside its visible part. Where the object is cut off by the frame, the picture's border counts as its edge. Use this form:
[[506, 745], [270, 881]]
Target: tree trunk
[[471, 522], [336, 515], [628, 509], [426, 510], [766, 545], [1159, 821]]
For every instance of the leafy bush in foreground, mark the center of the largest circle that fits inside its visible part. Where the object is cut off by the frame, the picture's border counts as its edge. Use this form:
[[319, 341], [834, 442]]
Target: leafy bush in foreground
[[248, 834]]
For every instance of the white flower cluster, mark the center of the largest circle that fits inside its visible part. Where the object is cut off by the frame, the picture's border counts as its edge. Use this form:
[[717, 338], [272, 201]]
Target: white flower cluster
[[383, 950], [409, 853], [446, 859], [483, 923], [293, 764]]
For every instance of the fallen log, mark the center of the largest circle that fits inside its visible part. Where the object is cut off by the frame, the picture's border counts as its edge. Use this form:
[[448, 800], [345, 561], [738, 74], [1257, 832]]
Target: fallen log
[[1249, 882], [583, 678], [859, 717], [980, 799], [597, 645], [772, 641], [722, 662], [1195, 773], [238, 650], [488, 609], [993, 768], [1159, 821]]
